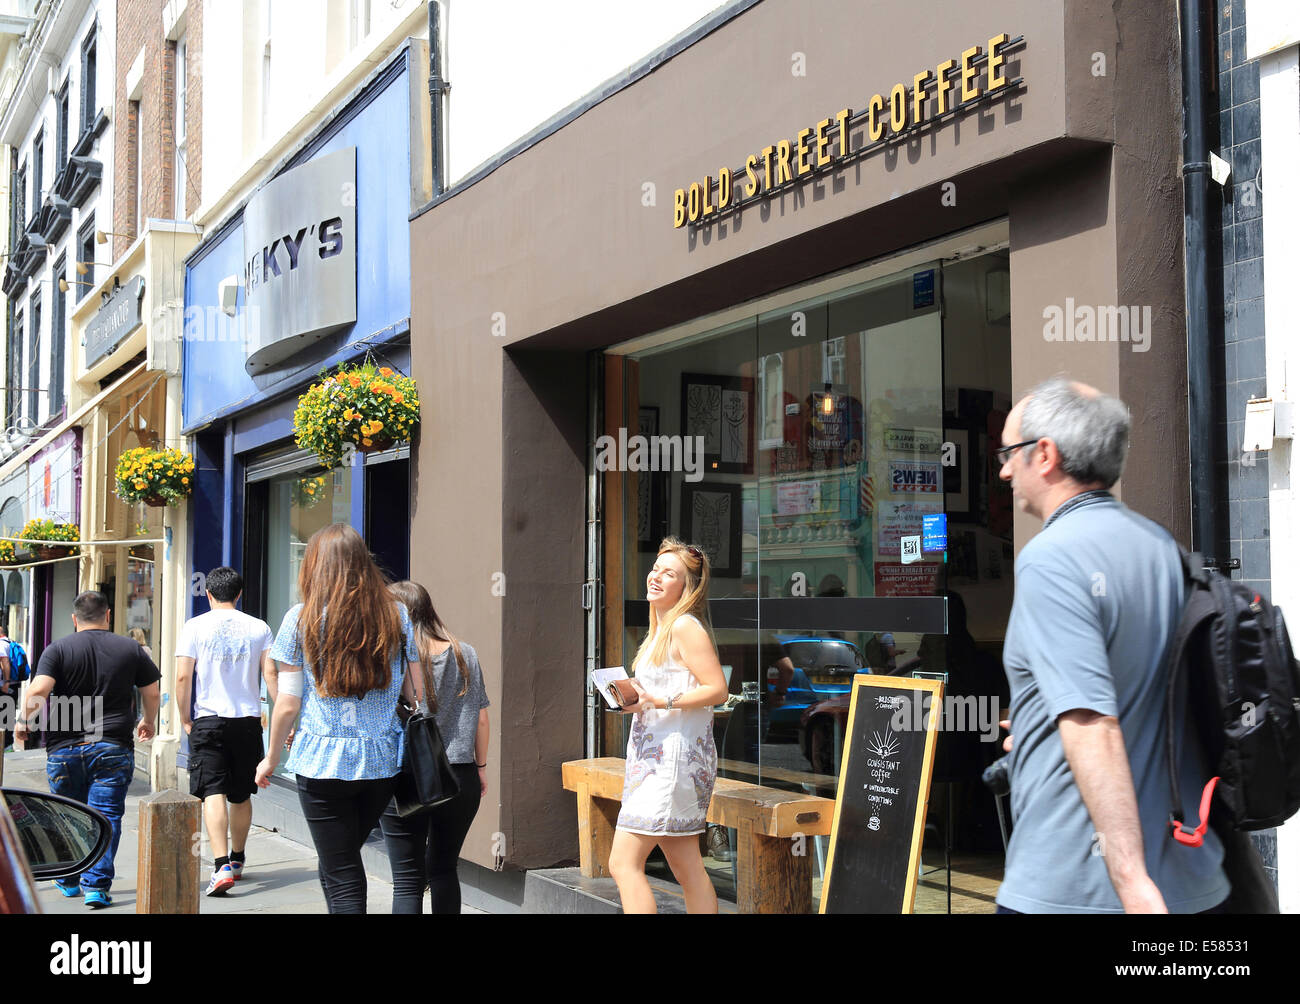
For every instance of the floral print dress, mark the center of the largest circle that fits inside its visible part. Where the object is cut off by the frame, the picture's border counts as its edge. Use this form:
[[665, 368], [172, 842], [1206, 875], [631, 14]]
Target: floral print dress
[[671, 760]]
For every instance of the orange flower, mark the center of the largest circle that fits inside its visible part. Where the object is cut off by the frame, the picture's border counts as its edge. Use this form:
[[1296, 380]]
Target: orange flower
[[367, 442], [384, 371], [398, 397], [355, 381]]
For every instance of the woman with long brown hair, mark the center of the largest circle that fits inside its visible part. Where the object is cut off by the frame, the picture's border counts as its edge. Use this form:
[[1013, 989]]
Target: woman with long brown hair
[[343, 655], [671, 759], [424, 849]]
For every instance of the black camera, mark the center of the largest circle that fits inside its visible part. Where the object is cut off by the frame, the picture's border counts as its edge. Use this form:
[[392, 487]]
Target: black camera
[[997, 776]]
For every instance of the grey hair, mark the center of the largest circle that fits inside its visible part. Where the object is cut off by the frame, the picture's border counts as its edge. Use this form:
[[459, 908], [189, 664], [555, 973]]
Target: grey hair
[[1091, 431]]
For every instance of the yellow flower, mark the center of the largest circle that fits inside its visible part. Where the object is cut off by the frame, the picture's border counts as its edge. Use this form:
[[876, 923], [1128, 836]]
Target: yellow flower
[[139, 484], [367, 442], [185, 481]]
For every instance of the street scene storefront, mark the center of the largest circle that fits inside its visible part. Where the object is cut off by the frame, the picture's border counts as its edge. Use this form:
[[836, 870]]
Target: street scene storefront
[[311, 272], [787, 328], [76, 532]]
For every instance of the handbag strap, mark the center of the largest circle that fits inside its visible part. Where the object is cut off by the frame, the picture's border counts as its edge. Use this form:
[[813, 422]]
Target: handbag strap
[[426, 682]]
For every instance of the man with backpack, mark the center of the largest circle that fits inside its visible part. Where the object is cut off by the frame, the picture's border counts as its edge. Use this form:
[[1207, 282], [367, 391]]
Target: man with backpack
[[1099, 596], [14, 670]]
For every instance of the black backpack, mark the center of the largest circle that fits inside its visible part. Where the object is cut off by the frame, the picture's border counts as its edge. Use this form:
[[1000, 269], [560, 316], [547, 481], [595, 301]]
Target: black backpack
[[1232, 649]]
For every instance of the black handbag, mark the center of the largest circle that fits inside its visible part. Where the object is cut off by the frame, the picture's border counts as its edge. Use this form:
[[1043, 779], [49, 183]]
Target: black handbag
[[426, 779]]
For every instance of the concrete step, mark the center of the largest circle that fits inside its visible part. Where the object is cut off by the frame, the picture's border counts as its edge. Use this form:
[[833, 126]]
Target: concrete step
[[567, 890]]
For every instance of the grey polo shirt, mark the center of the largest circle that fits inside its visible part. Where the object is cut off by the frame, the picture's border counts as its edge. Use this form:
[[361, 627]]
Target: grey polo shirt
[[1099, 593]]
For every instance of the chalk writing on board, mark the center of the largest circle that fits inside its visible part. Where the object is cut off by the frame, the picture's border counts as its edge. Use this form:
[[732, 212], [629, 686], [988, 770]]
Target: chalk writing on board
[[883, 745]]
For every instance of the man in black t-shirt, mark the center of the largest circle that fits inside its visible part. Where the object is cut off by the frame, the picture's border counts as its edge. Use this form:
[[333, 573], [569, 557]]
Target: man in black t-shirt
[[83, 692]]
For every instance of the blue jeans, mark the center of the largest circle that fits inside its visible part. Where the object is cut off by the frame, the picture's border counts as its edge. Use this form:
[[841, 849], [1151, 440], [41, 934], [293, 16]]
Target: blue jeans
[[97, 775]]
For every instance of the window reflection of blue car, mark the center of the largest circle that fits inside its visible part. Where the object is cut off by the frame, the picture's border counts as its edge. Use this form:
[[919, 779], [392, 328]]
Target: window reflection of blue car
[[823, 668]]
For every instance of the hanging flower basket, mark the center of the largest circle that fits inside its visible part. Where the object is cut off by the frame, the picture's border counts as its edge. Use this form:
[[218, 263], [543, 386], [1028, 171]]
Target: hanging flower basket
[[45, 530], [359, 409], [155, 477]]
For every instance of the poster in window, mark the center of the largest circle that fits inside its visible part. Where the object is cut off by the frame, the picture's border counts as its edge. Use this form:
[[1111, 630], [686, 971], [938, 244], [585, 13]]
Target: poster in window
[[720, 410], [711, 520]]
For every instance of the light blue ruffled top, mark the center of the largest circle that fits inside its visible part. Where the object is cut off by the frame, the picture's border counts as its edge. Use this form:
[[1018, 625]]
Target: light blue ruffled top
[[345, 738]]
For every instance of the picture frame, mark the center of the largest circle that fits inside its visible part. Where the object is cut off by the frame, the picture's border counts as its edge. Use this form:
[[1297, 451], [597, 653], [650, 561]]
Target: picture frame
[[721, 410], [651, 491], [711, 519], [958, 475]]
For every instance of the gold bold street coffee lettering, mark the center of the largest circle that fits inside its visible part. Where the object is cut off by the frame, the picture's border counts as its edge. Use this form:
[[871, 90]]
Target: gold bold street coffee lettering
[[815, 148]]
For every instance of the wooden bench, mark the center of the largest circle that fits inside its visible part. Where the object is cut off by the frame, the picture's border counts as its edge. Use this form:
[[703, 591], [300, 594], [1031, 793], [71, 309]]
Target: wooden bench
[[771, 876]]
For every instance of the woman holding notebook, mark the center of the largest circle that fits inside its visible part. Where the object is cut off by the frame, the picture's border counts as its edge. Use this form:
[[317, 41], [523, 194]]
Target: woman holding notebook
[[671, 759]]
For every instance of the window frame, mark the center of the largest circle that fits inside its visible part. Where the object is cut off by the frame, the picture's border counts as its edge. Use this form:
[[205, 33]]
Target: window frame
[[58, 337], [89, 72], [86, 240]]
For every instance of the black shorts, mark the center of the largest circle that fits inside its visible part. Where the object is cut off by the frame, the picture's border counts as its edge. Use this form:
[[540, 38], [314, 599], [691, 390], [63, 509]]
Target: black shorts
[[224, 754]]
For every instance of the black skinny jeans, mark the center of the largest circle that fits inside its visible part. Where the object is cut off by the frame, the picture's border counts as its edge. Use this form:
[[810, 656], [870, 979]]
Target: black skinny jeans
[[340, 815], [424, 850]]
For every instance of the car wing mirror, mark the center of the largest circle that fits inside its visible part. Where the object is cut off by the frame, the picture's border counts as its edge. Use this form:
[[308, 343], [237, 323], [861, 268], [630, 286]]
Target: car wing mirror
[[61, 837]]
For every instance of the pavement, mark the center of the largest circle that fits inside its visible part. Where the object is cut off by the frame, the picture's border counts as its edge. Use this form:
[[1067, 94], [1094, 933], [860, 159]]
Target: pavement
[[280, 876]]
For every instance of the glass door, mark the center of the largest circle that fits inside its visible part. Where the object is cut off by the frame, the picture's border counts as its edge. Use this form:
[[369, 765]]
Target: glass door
[[801, 448]]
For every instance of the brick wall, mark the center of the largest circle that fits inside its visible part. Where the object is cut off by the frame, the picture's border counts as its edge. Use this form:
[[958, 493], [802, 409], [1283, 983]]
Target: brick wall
[[151, 121]]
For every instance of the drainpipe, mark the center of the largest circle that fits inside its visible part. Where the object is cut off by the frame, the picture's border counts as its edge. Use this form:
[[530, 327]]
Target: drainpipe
[[437, 86], [1196, 228]]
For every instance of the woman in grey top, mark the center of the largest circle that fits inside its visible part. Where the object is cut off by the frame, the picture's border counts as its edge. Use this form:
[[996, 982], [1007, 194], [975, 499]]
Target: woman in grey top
[[424, 849]]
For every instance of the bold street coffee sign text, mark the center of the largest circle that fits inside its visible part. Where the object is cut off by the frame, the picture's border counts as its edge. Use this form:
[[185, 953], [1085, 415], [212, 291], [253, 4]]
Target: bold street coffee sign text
[[951, 86]]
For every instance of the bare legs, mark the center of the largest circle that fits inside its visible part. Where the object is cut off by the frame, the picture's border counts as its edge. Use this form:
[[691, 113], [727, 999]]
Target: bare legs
[[683, 854], [627, 858], [238, 820]]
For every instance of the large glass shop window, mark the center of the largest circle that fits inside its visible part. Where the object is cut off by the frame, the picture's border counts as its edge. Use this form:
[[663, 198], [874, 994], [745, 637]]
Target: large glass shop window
[[821, 429], [298, 504]]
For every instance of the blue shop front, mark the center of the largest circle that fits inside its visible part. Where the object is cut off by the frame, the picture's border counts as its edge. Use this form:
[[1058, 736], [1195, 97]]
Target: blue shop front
[[311, 271]]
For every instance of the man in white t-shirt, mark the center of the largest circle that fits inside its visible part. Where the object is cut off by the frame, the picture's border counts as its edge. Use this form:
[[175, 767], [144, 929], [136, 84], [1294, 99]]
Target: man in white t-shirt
[[223, 655]]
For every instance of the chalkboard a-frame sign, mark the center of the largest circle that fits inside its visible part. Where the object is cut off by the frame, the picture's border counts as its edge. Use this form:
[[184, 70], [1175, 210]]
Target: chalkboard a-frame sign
[[884, 788]]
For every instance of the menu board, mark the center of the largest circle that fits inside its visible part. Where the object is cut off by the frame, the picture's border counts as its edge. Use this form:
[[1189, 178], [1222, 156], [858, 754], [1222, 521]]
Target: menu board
[[884, 788]]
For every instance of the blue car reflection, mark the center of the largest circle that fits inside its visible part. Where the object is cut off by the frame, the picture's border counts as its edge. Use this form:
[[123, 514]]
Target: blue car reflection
[[821, 668]]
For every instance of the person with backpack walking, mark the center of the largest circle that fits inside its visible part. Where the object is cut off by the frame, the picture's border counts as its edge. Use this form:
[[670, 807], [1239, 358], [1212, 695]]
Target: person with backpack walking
[[424, 849], [221, 658], [15, 669], [342, 657], [91, 676], [1099, 595]]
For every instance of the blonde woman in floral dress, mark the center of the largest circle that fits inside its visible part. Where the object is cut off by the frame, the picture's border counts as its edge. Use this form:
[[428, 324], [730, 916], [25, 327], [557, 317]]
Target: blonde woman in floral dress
[[671, 758]]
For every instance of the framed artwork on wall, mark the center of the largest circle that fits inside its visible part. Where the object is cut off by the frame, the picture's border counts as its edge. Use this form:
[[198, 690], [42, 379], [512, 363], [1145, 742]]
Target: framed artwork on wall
[[711, 519], [651, 490], [720, 410]]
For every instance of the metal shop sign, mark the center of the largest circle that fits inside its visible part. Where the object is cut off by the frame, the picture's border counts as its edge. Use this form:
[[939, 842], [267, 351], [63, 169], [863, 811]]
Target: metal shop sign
[[931, 96], [300, 258], [114, 321]]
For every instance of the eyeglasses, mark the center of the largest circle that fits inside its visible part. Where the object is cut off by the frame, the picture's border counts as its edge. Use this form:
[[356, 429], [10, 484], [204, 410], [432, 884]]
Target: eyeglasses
[[1004, 453]]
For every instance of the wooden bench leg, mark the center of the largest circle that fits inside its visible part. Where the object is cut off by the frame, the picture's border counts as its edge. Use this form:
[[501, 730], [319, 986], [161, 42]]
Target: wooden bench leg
[[596, 820], [770, 877]]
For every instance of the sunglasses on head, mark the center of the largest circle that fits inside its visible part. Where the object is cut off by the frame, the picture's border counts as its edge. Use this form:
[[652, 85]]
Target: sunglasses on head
[[695, 553]]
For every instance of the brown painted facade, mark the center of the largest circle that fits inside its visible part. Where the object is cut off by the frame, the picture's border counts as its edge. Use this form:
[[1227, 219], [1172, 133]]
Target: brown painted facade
[[556, 246]]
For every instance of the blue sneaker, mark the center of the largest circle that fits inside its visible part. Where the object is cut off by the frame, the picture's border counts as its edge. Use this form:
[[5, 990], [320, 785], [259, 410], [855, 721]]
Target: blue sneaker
[[97, 899], [68, 890], [237, 869]]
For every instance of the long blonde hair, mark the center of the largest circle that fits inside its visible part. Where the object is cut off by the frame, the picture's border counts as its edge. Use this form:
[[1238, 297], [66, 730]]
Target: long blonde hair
[[694, 600]]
